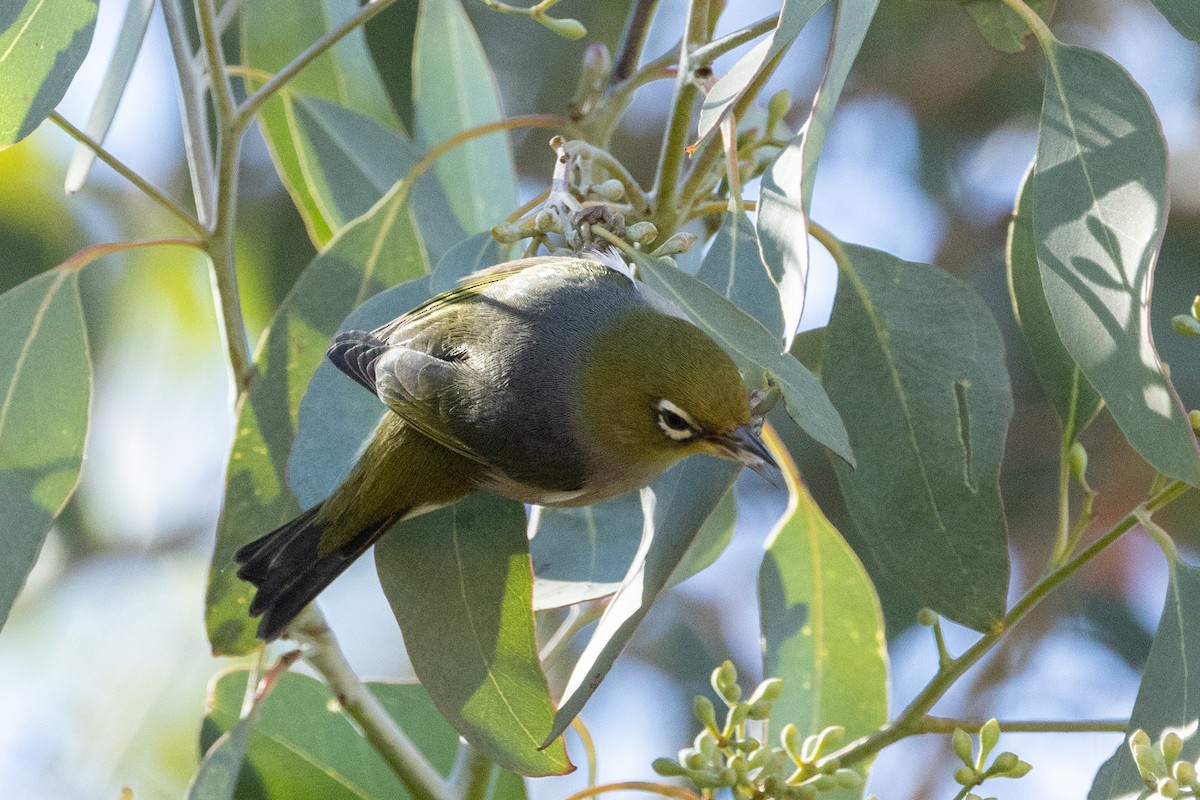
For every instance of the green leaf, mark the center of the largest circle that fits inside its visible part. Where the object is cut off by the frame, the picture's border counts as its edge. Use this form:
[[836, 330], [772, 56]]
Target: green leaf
[[217, 777], [1169, 696], [374, 252], [45, 390], [710, 541], [470, 255], [1001, 26], [42, 44], [1183, 14], [460, 583], [734, 269], [678, 504], [793, 16], [822, 628], [1074, 399], [454, 90], [915, 364], [754, 349], [304, 746], [108, 97], [849, 30], [782, 228], [273, 33], [1099, 203]]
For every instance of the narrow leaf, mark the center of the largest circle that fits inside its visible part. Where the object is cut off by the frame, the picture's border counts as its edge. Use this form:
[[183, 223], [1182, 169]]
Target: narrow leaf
[[376, 251], [822, 627], [755, 350], [1001, 26], [112, 88], [461, 586], [1183, 14], [1074, 399], [782, 228], [273, 33], [1169, 696], [793, 16], [454, 90], [304, 746], [733, 268], [42, 44], [849, 31], [915, 364], [1099, 204], [45, 390], [677, 504], [217, 777], [710, 541]]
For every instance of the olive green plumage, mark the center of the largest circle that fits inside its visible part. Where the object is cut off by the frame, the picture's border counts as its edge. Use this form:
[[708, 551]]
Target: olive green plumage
[[554, 381]]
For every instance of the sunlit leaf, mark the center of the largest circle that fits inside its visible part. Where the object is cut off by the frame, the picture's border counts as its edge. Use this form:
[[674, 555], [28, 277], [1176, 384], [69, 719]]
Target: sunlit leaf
[[755, 350], [734, 269], [378, 250], [112, 88], [782, 228], [42, 44], [273, 33], [682, 500], [915, 364], [1001, 26], [725, 92], [305, 747], [1169, 696], [1099, 204], [45, 390], [460, 583], [822, 627], [1183, 14], [1074, 399], [470, 255], [454, 90]]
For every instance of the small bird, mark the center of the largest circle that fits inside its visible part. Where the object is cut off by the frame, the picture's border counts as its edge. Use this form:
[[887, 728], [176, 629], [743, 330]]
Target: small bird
[[556, 381]]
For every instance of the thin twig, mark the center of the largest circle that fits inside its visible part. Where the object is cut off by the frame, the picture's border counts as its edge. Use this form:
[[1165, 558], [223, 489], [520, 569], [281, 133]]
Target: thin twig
[[471, 776], [194, 110], [948, 725], [663, 789], [633, 38], [87, 255]]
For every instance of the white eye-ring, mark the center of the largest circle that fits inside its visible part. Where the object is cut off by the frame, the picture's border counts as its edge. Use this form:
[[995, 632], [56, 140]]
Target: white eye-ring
[[675, 422]]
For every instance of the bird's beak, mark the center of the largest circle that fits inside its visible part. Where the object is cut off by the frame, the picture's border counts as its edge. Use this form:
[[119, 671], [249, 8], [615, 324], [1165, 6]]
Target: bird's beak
[[744, 446]]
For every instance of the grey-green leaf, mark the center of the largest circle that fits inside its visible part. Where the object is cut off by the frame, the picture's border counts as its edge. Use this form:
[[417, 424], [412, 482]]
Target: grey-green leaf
[[1001, 26], [454, 90], [915, 364], [682, 500], [1073, 398], [1099, 205], [42, 44], [470, 255], [1183, 14], [755, 350], [376, 251], [45, 391], [217, 777], [460, 583], [733, 268], [783, 232], [1169, 696]]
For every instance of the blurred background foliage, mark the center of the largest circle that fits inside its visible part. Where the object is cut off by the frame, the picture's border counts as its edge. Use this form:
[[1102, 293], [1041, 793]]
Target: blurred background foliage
[[104, 663]]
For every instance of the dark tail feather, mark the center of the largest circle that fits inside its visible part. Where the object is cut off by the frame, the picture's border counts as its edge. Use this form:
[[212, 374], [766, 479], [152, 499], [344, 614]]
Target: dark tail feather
[[287, 567]]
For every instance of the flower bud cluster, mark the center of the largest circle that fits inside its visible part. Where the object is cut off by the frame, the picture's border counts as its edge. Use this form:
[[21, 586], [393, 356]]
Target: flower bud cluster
[[725, 756], [975, 768], [1165, 774]]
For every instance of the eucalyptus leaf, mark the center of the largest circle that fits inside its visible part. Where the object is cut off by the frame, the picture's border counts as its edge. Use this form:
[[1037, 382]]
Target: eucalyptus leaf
[[454, 90], [733, 268], [42, 44], [822, 628], [915, 364], [678, 504], [755, 350], [45, 391], [1001, 26], [1169, 696], [1073, 398], [1183, 14], [112, 88], [793, 16], [470, 255], [782, 228], [1099, 205], [273, 32], [217, 776], [303, 746], [588, 548], [460, 583], [374, 252]]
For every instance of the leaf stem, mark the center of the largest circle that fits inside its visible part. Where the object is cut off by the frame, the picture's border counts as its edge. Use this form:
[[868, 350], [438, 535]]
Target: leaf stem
[[471, 776], [1037, 26], [661, 789], [633, 39], [218, 78], [931, 724], [89, 254], [708, 53], [127, 172], [194, 110], [246, 111], [1062, 542], [326, 657], [911, 720]]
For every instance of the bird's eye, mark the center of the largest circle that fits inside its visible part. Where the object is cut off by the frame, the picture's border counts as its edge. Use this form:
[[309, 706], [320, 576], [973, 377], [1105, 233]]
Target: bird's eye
[[674, 422]]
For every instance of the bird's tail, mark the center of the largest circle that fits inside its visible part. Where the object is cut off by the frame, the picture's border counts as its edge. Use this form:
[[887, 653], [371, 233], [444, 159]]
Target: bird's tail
[[289, 569]]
